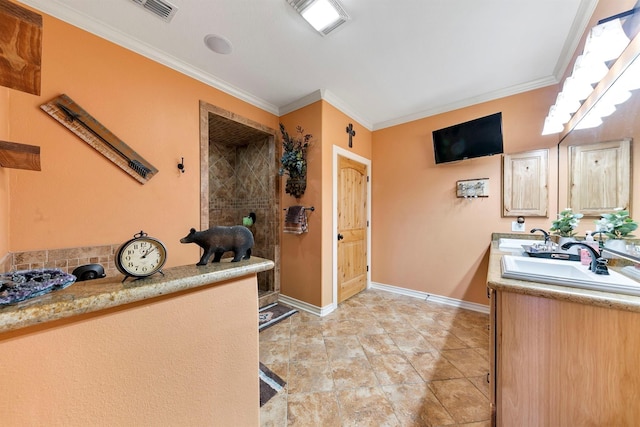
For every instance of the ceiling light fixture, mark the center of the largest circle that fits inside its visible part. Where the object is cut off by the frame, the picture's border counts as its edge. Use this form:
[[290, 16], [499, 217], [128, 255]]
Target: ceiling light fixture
[[323, 15], [605, 42], [218, 44]]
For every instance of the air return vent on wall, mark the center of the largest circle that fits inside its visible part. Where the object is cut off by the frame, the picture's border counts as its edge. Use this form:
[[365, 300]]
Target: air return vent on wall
[[158, 7]]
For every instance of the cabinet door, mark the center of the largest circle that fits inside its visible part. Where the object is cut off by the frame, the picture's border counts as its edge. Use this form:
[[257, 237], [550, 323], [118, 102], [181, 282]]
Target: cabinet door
[[525, 180], [600, 179], [493, 353]]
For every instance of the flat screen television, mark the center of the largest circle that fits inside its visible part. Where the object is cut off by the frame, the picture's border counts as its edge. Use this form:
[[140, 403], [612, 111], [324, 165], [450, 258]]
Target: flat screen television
[[475, 138]]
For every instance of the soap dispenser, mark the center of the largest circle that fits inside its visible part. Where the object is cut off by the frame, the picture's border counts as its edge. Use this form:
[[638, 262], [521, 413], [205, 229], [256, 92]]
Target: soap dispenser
[[588, 239], [585, 257]]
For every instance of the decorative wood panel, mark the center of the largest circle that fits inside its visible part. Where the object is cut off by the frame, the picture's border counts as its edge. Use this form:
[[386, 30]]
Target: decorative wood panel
[[600, 177], [19, 156], [20, 48], [73, 117], [525, 181]]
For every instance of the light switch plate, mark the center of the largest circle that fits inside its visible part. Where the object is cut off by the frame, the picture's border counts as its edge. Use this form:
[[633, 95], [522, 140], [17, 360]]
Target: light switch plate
[[517, 226]]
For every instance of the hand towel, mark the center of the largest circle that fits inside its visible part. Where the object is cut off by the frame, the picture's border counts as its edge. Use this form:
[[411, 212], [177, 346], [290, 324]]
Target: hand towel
[[295, 220]]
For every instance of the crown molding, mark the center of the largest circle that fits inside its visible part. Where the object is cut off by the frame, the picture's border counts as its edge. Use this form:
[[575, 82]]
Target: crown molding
[[467, 102], [309, 99], [578, 27], [75, 18], [87, 23], [326, 95]]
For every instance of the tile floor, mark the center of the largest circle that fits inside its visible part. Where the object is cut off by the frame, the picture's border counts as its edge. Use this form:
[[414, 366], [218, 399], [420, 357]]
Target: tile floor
[[380, 359]]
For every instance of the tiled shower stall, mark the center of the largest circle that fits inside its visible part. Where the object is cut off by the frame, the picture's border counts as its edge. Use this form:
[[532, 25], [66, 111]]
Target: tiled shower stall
[[243, 179]]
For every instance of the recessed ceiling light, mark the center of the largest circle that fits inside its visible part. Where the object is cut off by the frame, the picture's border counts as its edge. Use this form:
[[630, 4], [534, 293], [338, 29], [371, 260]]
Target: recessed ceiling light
[[323, 15], [218, 44]]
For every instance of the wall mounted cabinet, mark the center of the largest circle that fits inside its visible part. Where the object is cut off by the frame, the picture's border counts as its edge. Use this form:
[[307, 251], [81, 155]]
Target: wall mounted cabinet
[[525, 181], [600, 177]]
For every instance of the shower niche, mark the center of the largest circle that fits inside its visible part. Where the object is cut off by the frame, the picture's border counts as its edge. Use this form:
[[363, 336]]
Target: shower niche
[[239, 170]]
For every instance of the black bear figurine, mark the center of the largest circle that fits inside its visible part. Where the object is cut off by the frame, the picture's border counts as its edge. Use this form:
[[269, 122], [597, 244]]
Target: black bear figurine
[[218, 240]]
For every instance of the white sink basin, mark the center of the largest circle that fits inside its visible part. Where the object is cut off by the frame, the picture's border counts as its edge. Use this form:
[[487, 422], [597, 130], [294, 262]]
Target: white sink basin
[[515, 245], [566, 273]]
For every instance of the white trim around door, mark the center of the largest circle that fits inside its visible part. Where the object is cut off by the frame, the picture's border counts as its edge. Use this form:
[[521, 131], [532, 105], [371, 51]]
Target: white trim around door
[[338, 151]]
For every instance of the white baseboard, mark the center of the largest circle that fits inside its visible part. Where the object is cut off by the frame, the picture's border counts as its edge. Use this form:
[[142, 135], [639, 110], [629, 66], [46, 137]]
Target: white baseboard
[[432, 297], [323, 311], [305, 306]]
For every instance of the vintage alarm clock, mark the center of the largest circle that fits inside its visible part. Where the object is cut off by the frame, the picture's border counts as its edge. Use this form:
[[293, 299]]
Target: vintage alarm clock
[[141, 256]]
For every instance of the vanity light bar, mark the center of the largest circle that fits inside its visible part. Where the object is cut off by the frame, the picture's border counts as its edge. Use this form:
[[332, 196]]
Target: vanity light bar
[[606, 41]]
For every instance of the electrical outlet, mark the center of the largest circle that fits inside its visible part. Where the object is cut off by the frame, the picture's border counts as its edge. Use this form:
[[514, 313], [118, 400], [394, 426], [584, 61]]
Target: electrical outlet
[[517, 226]]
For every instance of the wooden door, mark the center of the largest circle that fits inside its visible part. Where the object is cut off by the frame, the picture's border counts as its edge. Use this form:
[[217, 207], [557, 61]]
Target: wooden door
[[352, 228]]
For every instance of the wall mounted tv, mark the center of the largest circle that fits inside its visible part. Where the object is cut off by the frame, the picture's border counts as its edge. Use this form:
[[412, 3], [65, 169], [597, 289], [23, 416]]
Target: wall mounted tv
[[475, 138]]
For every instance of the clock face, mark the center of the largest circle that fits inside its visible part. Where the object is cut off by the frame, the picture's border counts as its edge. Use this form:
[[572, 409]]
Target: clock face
[[141, 257]]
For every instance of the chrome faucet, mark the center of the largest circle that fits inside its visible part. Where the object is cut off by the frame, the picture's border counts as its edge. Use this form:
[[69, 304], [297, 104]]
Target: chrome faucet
[[546, 235], [598, 264]]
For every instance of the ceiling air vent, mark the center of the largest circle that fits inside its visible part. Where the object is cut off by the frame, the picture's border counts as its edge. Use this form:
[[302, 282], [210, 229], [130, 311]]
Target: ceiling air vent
[[159, 8]]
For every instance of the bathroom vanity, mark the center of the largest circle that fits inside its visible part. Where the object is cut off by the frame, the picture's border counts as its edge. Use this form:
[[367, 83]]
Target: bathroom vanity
[[561, 355], [178, 349]]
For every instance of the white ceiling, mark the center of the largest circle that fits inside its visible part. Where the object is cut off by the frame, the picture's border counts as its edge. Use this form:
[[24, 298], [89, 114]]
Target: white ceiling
[[395, 61]]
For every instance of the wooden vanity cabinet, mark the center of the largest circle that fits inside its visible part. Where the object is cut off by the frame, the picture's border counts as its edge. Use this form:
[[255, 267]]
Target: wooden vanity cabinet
[[563, 363]]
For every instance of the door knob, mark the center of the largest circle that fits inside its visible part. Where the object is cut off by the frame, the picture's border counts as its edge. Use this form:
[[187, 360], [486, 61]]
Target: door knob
[[340, 236]]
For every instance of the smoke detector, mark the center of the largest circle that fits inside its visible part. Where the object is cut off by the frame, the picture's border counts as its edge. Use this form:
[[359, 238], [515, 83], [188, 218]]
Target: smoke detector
[[160, 8]]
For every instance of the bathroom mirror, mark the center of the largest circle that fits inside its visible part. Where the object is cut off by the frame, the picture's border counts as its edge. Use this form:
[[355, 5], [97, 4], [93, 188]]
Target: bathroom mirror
[[623, 124]]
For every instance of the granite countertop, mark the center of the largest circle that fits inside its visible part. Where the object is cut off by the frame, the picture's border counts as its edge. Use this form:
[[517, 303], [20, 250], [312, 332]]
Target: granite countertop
[[565, 293], [93, 295]]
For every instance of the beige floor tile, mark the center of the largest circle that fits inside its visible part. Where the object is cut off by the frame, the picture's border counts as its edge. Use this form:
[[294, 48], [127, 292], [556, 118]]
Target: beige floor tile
[[300, 350], [365, 326], [336, 328], [411, 342], [433, 366], [483, 351], [309, 332], [274, 351], [277, 332], [353, 373], [482, 384], [476, 337], [467, 361], [416, 405], [313, 409], [395, 325], [343, 347], [309, 376], [394, 369], [281, 369], [274, 412], [366, 407], [442, 339], [346, 369], [303, 317], [378, 344], [462, 400]]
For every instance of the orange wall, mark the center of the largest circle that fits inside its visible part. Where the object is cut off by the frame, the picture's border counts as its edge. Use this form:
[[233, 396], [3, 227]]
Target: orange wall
[[307, 259], [334, 124], [300, 259], [424, 237], [173, 360], [4, 175], [80, 198]]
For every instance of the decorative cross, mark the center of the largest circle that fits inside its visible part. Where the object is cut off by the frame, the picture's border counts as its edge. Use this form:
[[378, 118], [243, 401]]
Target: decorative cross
[[351, 133]]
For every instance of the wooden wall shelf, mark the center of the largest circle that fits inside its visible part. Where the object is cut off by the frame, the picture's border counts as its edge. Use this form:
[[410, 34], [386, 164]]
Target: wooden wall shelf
[[19, 156]]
